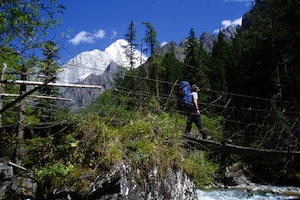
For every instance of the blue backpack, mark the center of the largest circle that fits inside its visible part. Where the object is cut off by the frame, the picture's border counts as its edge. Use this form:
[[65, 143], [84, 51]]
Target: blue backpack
[[185, 98]]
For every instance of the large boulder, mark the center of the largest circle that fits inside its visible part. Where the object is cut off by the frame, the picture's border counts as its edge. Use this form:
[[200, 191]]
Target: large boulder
[[126, 182], [15, 185]]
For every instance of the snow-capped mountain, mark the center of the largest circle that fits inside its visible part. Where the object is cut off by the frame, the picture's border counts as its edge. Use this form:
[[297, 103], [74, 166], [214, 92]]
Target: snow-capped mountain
[[99, 68], [95, 62]]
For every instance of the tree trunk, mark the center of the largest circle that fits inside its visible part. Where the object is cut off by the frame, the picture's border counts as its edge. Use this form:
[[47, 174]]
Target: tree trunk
[[2, 78], [21, 121]]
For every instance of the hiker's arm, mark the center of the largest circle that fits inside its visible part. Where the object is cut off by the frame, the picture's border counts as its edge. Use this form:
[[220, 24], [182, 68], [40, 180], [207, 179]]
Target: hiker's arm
[[196, 105]]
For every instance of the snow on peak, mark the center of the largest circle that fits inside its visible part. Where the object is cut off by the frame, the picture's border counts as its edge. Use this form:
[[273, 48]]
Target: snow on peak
[[96, 61]]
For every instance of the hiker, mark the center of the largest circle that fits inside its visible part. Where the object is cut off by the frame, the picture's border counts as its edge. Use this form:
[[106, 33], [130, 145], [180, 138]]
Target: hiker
[[193, 115]]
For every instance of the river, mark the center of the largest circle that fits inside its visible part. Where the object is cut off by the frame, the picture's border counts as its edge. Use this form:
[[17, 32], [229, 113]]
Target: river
[[262, 193]]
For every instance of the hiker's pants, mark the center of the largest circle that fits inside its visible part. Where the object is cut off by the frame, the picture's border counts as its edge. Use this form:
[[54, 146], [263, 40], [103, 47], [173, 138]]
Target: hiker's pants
[[193, 117]]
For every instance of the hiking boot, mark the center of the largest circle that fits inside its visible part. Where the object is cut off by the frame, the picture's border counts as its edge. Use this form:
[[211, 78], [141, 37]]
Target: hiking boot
[[187, 134], [206, 137]]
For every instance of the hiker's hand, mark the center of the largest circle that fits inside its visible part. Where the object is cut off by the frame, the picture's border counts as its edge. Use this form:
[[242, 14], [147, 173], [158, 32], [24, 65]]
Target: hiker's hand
[[198, 112]]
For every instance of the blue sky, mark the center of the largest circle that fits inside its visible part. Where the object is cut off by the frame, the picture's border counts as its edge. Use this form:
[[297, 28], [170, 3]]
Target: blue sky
[[95, 24]]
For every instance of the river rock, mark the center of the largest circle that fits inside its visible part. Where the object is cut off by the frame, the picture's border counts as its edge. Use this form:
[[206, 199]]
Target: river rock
[[13, 185], [237, 174], [125, 182]]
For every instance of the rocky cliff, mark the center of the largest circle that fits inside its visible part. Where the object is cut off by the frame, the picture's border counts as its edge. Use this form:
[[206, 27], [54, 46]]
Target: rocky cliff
[[81, 97], [122, 182]]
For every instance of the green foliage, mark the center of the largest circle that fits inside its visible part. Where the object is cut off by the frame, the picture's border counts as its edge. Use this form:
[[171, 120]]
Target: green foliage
[[22, 20], [266, 52], [48, 68], [214, 126], [130, 36], [151, 37], [60, 170], [201, 168], [146, 140], [23, 27], [148, 137], [111, 105], [195, 70], [220, 57], [172, 68]]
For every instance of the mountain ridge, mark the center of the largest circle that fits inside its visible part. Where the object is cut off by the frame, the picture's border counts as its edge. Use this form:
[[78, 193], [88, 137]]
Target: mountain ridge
[[96, 61], [99, 67]]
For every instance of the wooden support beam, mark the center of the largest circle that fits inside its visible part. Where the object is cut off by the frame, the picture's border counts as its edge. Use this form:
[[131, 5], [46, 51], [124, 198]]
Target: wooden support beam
[[215, 146], [21, 82], [2, 78], [37, 96], [17, 166], [24, 95]]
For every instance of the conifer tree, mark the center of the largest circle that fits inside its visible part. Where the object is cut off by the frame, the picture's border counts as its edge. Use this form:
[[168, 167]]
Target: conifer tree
[[150, 38], [172, 68], [192, 59], [266, 61], [130, 36], [48, 68], [269, 51], [194, 69], [218, 65]]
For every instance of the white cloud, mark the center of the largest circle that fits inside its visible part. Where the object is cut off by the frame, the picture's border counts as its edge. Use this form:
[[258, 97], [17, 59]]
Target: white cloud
[[248, 2], [113, 34], [226, 23], [86, 37], [163, 43], [240, 0], [99, 34], [235, 22]]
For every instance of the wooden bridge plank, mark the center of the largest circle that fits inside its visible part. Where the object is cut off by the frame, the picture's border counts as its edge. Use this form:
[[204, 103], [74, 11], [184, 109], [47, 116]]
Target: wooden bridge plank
[[215, 146]]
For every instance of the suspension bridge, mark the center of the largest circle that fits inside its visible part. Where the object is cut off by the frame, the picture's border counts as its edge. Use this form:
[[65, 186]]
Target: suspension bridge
[[247, 124], [228, 148]]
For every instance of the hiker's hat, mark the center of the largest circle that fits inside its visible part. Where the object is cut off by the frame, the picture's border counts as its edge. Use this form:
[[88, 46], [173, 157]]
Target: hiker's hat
[[195, 88]]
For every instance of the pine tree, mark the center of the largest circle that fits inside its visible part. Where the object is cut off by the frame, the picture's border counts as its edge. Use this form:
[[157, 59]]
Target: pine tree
[[172, 68], [194, 68], [219, 63], [150, 38], [267, 51], [130, 36], [192, 59], [48, 69]]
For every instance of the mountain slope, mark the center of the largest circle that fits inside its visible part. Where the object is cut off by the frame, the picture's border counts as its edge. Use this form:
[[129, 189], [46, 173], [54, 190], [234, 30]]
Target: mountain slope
[[81, 97], [96, 61], [99, 67]]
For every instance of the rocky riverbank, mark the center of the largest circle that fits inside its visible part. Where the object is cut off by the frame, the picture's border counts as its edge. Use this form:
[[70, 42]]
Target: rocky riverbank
[[123, 181], [252, 189]]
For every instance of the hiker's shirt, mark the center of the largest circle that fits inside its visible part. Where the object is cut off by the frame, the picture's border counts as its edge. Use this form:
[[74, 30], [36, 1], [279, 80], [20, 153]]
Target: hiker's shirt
[[195, 96]]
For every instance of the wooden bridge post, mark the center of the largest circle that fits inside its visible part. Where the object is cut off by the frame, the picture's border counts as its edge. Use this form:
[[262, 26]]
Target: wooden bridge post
[[2, 78], [21, 121], [223, 168], [21, 118]]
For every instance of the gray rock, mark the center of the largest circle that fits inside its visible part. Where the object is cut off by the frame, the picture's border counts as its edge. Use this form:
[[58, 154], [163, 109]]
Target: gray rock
[[125, 182], [16, 185], [82, 97]]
